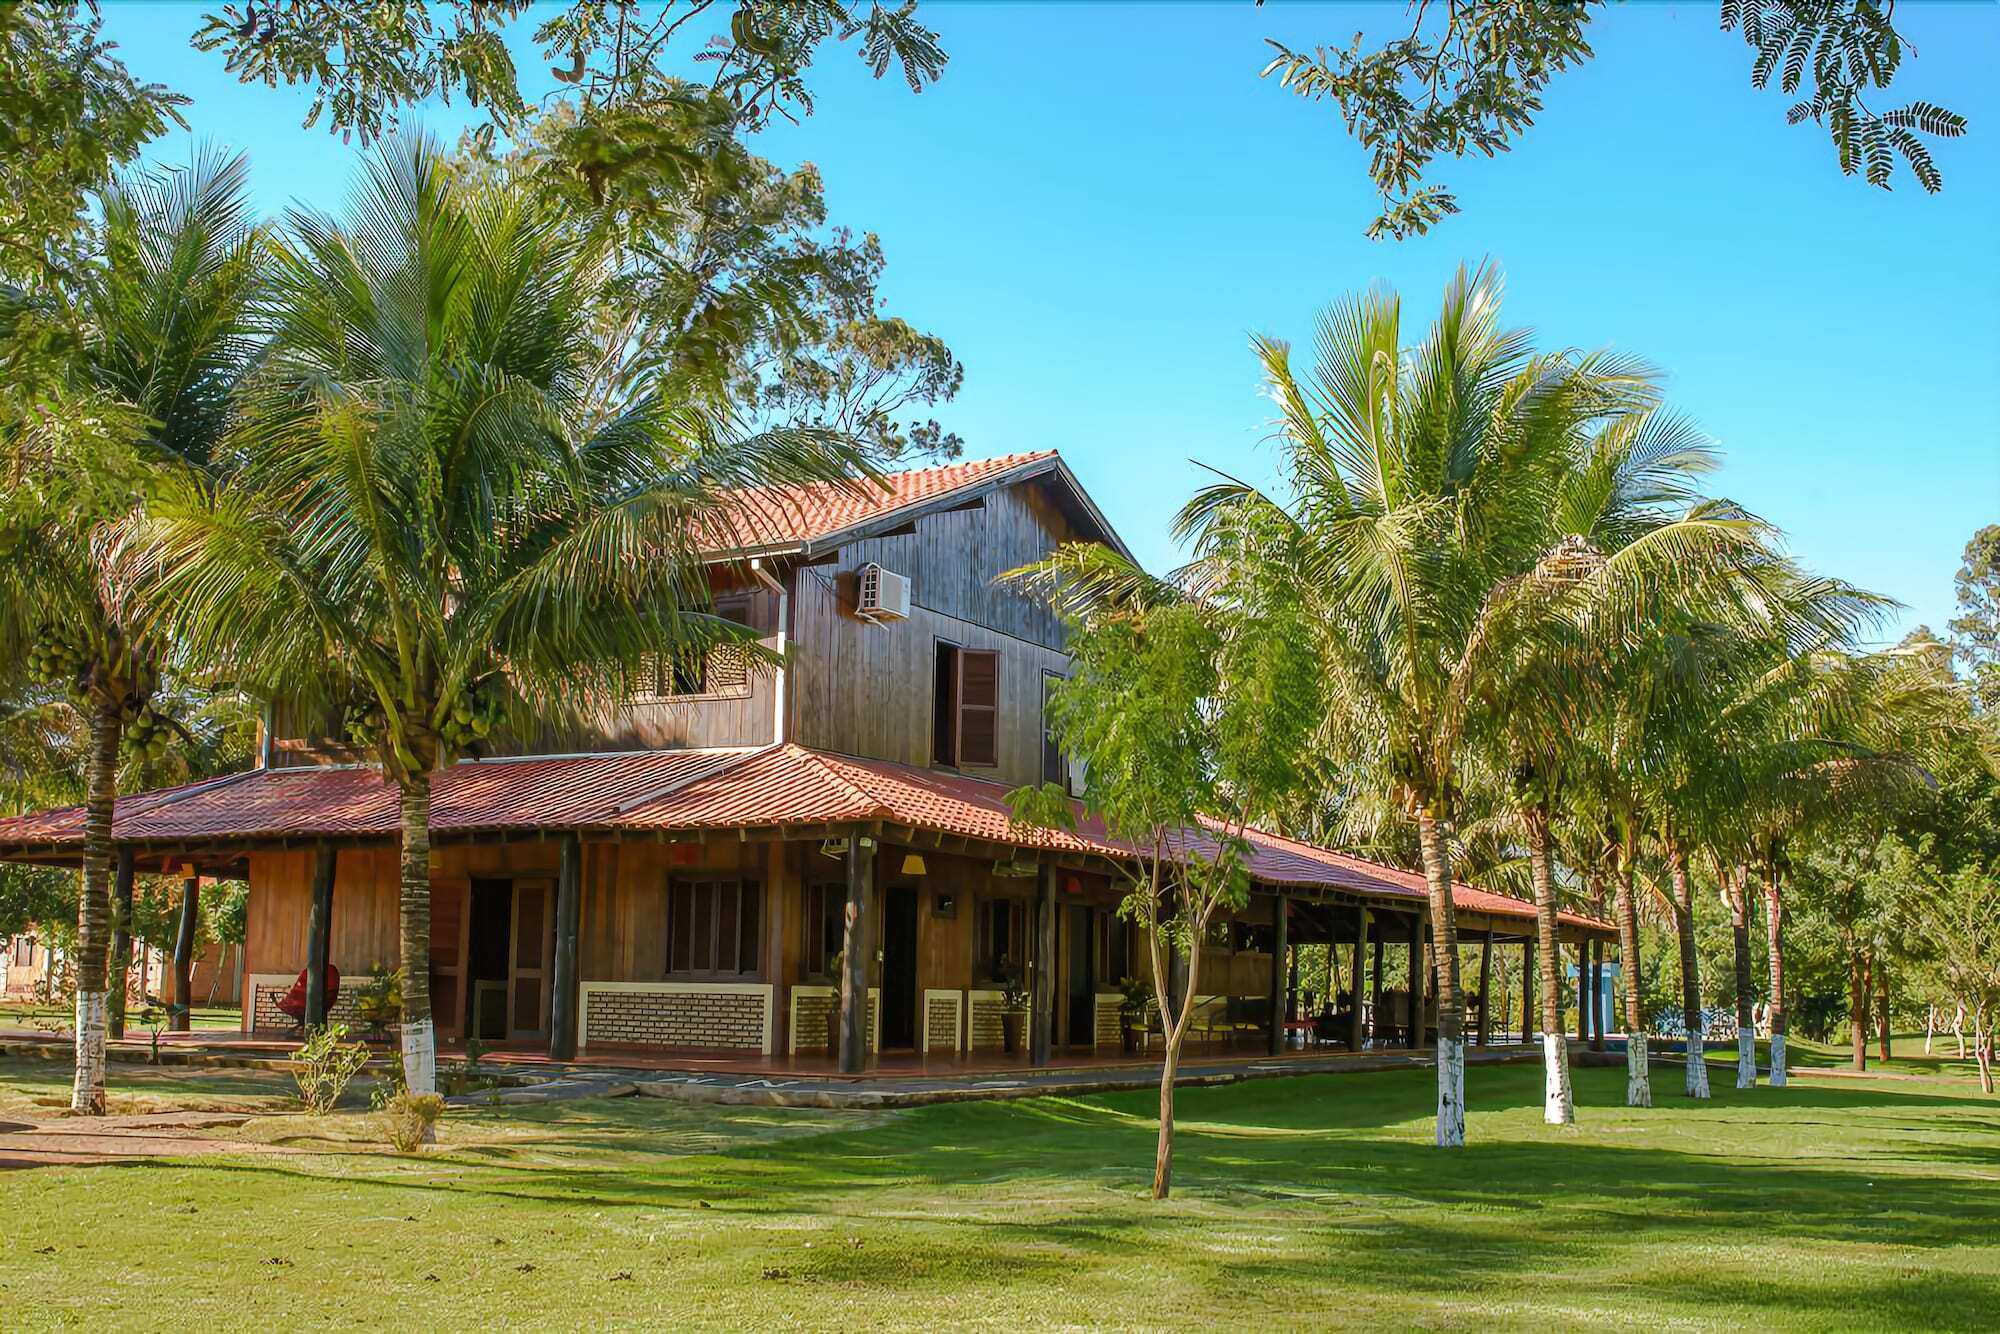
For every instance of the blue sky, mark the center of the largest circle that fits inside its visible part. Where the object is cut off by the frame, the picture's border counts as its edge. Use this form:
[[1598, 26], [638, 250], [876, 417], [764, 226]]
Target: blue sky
[[1099, 203]]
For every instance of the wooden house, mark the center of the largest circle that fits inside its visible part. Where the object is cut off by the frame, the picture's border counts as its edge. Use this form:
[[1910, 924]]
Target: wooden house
[[716, 864]]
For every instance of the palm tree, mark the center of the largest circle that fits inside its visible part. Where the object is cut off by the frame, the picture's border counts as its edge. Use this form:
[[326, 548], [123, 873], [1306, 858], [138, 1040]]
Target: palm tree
[[161, 327], [1422, 481], [430, 528]]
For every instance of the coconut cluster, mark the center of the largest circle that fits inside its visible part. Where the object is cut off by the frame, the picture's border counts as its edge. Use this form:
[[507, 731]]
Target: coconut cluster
[[55, 658], [471, 717]]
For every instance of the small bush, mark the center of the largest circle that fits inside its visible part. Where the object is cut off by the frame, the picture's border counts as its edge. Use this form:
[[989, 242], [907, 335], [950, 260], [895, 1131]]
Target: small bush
[[324, 1066], [408, 1119]]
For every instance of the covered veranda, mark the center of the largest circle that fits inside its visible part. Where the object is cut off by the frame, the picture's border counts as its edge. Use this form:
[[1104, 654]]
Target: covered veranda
[[601, 842]]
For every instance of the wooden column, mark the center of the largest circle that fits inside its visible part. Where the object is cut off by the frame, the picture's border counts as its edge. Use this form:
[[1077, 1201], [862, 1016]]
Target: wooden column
[[1357, 999], [1375, 986], [181, 1020], [857, 944], [1281, 931], [319, 930], [121, 943], [564, 987], [1596, 995], [1419, 967], [1527, 991], [1042, 994], [1485, 991]]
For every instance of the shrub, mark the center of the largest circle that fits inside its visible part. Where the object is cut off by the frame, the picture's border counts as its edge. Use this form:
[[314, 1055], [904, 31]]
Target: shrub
[[324, 1066], [408, 1118]]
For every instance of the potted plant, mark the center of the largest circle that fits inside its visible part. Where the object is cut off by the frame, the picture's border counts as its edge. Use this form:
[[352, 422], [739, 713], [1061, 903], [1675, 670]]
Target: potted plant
[[1013, 1008], [834, 967], [379, 1003], [1132, 1011]]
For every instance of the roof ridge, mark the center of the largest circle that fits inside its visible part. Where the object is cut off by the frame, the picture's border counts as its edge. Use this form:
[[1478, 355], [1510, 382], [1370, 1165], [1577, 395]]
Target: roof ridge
[[874, 803]]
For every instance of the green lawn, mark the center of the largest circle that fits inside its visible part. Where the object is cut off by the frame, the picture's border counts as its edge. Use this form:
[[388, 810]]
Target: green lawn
[[1837, 1203], [24, 1016]]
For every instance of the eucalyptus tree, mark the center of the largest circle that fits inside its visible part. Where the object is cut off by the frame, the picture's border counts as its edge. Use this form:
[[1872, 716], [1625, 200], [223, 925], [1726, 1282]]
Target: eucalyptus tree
[[162, 323], [425, 530], [1420, 485]]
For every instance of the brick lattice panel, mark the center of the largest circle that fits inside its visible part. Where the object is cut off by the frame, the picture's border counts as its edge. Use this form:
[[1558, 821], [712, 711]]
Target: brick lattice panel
[[812, 1011], [941, 1023], [265, 1014], [677, 1018], [985, 1030], [1109, 1025]]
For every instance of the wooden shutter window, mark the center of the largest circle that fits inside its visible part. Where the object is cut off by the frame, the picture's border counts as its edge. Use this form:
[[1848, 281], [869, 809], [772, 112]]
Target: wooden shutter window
[[978, 708]]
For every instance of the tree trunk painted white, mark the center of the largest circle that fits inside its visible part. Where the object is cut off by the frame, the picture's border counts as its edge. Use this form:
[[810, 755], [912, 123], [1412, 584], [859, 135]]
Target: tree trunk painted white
[[419, 1041], [1638, 1074], [1746, 1058], [88, 1090], [1930, 1026], [1558, 1107], [1451, 1092], [1697, 1060], [1958, 1030], [1777, 1060]]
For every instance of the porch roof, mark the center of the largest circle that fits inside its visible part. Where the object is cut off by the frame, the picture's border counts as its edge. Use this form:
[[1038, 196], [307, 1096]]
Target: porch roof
[[647, 792]]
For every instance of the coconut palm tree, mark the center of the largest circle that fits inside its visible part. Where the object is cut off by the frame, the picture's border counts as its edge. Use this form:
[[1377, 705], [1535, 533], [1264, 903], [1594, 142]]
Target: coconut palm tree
[[1421, 483], [160, 326], [429, 528]]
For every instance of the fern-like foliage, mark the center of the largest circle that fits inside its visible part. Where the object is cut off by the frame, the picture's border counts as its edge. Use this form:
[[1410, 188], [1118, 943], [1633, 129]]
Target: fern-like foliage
[[1837, 50]]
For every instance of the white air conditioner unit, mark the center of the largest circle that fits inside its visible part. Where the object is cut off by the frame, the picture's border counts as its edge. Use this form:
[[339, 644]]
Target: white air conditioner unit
[[885, 595]]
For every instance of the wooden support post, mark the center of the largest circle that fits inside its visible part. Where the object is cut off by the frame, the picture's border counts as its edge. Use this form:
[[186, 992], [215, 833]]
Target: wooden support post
[[1042, 996], [1281, 929], [1419, 966], [1375, 985], [319, 932], [1527, 991], [181, 1018], [121, 943], [1356, 1000], [857, 943], [1597, 995], [1485, 991], [564, 991]]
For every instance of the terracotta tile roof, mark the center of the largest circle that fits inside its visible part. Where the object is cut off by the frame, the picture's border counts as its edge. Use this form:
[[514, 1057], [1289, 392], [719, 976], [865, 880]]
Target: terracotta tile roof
[[540, 793], [646, 791], [762, 518]]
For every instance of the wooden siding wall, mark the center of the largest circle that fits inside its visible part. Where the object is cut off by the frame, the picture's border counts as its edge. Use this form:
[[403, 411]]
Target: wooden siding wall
[[364, 901], [868, 690]]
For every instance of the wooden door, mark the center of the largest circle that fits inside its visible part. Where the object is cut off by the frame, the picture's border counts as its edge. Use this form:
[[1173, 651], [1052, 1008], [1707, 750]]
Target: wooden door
[[451, 927], [530, 959]]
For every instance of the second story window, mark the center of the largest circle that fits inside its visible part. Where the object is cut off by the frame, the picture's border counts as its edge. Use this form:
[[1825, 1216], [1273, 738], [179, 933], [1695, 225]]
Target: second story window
[[965, 712], [724, 670]]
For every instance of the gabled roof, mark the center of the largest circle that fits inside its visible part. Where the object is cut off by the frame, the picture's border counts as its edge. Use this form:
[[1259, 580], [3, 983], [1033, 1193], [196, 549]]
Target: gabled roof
[[643, 792], [813, 518]]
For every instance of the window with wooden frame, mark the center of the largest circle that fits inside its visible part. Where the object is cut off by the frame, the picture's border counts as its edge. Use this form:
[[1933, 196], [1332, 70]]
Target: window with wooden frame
[[1003, 937], [826, 927], [712, 926], [965, 712], [722, 672]]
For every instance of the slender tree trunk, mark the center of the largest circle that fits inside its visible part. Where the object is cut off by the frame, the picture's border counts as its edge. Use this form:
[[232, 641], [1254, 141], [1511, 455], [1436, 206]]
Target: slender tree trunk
[[419, 1040], [1958, 1030], [1176, 1033], [1930, 1026], [1982, 1048], [1882, 1005], [184, 933], [119, 973], [1697, 1058], [1638, 1059], [93, 912], [1774, 931], [1558, 1104], [1857, 1007], [1746, 1001], [1451, 999], [1597, 989]]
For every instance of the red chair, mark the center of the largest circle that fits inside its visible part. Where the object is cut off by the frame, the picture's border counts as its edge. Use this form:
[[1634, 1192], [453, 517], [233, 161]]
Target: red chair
[[293, 1002]]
